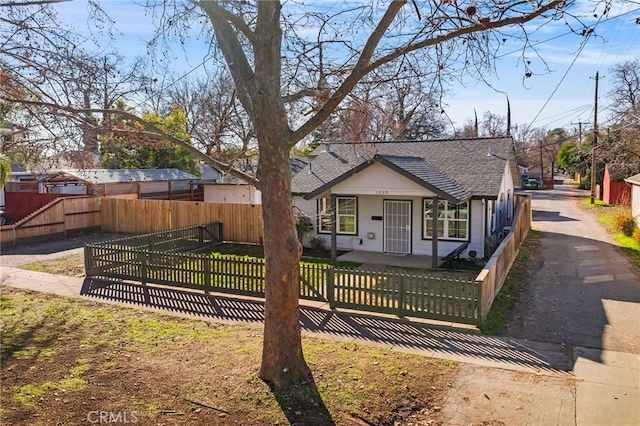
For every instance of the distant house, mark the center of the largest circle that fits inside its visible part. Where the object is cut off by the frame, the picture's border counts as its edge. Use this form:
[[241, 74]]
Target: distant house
[[634, 181], [122, 183], [222, 187], [615, 190], [383, 196]]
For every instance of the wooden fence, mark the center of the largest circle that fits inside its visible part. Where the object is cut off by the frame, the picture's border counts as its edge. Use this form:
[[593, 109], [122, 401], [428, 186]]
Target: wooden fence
[[416, 294], [400, 293], [242, 222], [59, 217], [495, 272]]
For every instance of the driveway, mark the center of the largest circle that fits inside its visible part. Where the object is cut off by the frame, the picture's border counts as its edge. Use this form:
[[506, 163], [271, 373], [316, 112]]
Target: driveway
[[38, 251], [585, 291]]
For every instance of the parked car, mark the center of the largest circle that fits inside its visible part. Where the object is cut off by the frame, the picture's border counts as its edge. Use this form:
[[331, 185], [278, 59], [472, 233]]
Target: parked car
[[4, 218], [534, 184]]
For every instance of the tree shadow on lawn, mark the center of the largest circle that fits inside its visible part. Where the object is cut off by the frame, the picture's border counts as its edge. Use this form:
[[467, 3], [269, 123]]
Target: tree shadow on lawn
[[302, 404], [397, 333]]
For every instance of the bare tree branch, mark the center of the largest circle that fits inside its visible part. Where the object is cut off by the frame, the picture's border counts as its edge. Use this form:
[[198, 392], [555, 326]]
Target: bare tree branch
[[152, 130]]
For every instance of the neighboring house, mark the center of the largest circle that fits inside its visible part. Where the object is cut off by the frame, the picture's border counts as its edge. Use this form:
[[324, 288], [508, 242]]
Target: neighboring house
[[634, 181], [385, 194], [123, 183], [221, 187], [615, 190], [21, 194]]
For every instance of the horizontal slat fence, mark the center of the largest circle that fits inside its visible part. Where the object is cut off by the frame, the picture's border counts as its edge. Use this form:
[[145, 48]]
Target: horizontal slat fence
[[495, 272], [399, 293], [59, 217], [144, 216]]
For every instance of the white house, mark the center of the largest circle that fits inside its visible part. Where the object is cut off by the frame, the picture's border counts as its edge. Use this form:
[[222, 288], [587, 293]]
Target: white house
[[634, 181], [383, 196], [221, 187]]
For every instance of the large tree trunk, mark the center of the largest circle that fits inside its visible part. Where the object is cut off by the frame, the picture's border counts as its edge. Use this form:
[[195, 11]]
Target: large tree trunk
[[282, 359]]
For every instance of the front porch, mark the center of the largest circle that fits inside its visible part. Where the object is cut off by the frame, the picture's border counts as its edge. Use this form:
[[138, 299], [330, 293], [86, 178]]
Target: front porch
[[388, 259]]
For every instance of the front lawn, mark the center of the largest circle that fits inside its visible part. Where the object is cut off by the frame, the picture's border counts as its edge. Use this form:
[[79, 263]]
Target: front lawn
[[66, 361]]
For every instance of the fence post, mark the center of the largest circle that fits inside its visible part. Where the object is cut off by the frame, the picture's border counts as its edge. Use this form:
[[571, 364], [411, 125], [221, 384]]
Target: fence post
[[331, 286], [64, 216], [201, 235], [207, 273], [143, 265], [401, 295], [88, 255], [479, 304]]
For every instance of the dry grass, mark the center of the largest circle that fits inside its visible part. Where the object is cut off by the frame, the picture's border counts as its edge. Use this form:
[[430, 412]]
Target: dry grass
[[64, 361], [72, 265]]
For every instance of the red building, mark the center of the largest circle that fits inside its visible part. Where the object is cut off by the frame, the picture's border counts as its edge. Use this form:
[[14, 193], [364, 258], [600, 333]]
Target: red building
[[615, 190]]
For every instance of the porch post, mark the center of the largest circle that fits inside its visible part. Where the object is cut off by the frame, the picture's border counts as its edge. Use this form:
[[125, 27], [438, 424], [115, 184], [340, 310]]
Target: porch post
[[434, 239], [334, 225]]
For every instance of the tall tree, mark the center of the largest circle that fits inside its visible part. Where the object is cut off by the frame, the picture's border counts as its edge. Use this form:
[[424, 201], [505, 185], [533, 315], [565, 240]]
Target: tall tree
[[293, 58], [621, 146], [5, 170], [216, 121], [128, 147], [393, 104], [493, 125], [41, 60], [552, 143]]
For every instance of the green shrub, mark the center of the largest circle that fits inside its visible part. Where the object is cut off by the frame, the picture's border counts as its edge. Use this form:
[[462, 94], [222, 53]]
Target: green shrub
[[636, 236], [304, 225], [625, 223], [318, 244]]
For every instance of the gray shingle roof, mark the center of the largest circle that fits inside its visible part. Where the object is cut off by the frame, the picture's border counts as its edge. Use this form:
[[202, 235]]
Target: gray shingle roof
[[454, 168], [635, 179], [98, 176]]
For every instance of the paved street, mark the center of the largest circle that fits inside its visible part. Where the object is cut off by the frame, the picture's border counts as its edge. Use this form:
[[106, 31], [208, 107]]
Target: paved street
[[587, 293]]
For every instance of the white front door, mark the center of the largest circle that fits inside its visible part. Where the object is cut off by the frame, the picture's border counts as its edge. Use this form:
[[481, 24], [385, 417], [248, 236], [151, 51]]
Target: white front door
[[397, 226]]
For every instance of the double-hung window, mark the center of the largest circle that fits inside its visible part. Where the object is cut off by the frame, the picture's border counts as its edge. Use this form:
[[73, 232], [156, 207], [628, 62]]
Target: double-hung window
[[346, 215], [453, 220]]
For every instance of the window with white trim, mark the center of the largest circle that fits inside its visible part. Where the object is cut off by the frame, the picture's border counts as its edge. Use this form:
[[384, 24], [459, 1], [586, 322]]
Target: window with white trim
[[453, 220], [346, 215]]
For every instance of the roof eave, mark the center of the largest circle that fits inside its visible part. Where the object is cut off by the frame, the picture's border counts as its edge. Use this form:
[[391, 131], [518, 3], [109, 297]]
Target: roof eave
[[440, 193], [346, 175]]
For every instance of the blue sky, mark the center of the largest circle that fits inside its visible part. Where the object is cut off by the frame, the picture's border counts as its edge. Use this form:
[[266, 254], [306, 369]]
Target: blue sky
[[559, 98]]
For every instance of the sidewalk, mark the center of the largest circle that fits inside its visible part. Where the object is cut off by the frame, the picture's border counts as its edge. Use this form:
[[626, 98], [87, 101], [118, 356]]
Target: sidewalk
[[504, 380]]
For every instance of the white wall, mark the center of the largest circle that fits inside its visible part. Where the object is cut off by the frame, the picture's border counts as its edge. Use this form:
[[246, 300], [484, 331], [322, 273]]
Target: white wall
[[635, 202], [378, 179], [373, 205], [79, 189], [238, 194], [504, 204]]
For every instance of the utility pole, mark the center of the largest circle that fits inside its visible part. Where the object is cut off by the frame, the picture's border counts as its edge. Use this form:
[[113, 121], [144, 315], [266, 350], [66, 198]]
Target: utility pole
[[541, 168], [580, 123], [595, 143]]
